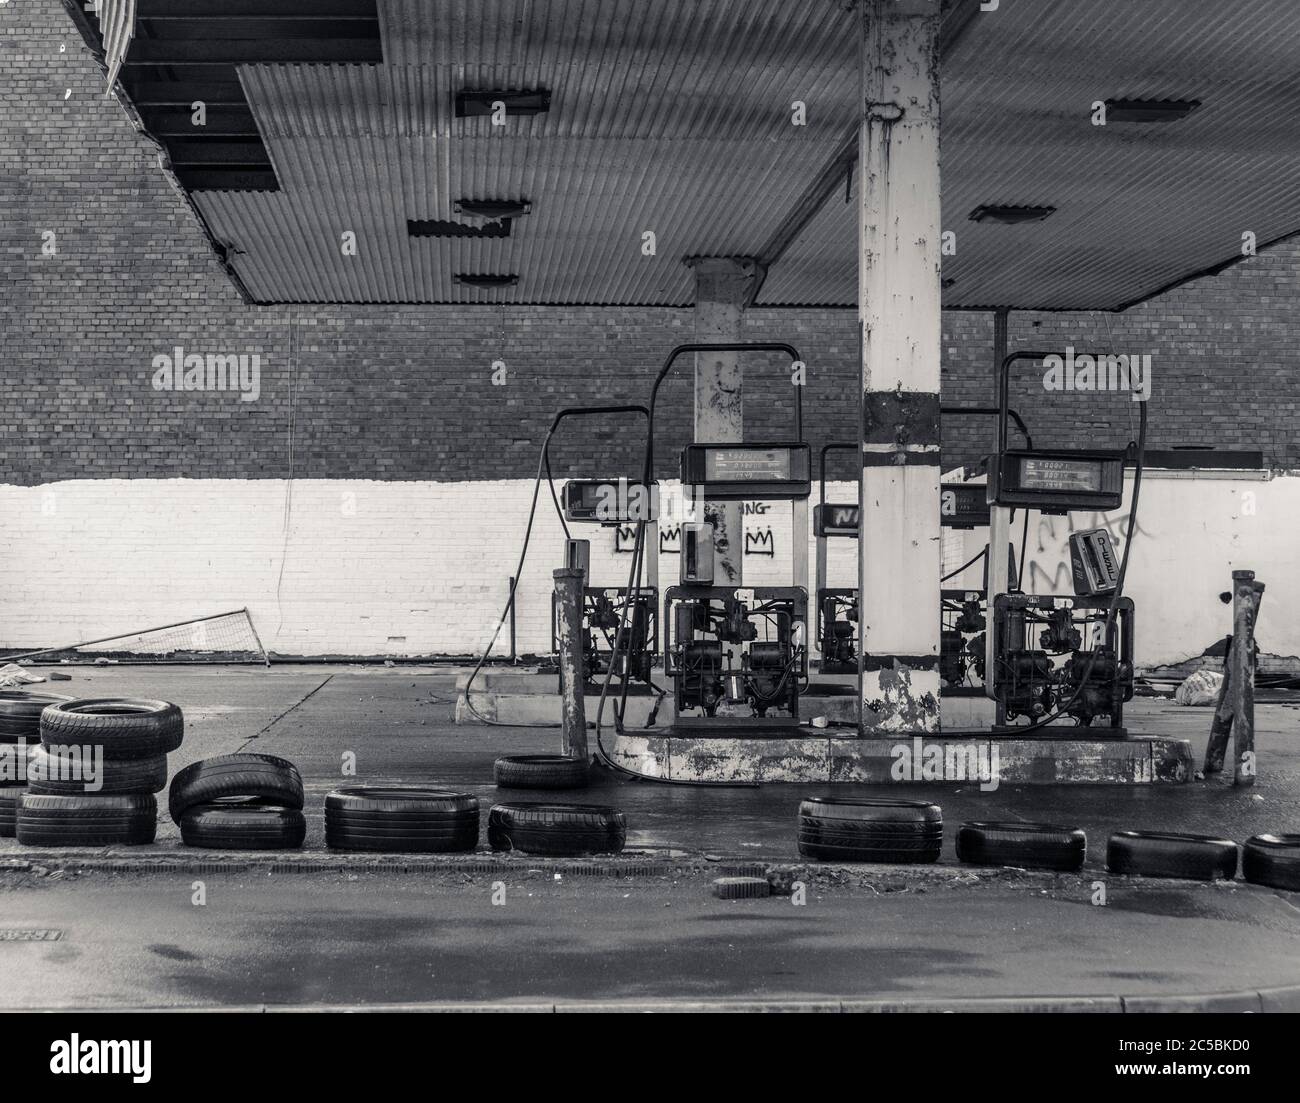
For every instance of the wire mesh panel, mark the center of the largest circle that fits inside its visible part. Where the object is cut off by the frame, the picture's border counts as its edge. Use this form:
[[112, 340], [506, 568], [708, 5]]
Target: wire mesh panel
[[219, 638]]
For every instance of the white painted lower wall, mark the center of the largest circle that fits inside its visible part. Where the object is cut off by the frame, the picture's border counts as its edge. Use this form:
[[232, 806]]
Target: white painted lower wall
[[422, 568]]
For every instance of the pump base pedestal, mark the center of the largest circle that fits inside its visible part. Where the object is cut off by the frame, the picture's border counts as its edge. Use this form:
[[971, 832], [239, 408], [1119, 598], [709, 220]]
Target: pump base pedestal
[[806, 756]]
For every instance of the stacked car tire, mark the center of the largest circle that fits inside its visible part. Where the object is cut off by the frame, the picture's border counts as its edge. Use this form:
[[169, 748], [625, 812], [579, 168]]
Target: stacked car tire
[[20, 734], [239, 802], [130, 740], [551, 829]]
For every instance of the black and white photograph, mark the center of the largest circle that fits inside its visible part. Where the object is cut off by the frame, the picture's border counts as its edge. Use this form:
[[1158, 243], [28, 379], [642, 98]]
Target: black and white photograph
[[649, 506]]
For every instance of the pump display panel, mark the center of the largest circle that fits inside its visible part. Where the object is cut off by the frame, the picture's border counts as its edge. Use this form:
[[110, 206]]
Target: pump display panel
[[1061, 480], [607, 502], [739, 472]]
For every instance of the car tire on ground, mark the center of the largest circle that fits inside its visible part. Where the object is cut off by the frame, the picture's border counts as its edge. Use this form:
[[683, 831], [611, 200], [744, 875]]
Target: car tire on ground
[[271, 780], [556, 830], [10, 798], [249, 826], [20, 713], [1022, 845], [540, 771], [123, 726], [1272, 860], [59, 773], [842, 829], [1171, 854], [400, 819], [47, 819]]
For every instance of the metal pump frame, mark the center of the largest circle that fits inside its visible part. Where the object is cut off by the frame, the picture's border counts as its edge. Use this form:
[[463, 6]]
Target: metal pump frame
[[789, 602], [644, 638], [1012, 615]]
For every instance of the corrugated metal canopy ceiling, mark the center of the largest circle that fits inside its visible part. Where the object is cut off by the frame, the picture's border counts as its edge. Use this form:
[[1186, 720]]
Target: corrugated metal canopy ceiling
[[674, 116]]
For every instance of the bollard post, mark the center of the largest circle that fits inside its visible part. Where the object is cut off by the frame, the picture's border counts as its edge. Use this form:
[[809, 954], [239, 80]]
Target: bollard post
[[1234, 711], [1221, 725], [1246, 594], [568, 629]]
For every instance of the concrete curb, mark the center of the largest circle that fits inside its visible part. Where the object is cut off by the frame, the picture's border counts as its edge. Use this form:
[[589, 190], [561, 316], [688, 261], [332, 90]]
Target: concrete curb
[[807, 758], [643, 864], [1259, 1000], [649, 865]]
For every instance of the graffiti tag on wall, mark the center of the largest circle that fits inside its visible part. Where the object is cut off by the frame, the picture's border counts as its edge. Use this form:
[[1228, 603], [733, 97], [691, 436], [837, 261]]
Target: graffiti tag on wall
[[1047, 558]]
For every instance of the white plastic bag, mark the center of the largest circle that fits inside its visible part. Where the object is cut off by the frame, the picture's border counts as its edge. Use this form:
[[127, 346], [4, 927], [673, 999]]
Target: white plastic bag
[[1201, 688]]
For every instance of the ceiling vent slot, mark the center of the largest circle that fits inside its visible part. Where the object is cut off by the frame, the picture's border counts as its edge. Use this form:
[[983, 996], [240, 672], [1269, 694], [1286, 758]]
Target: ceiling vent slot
[[439, 227], [1149, 111], [469, 280], [1010, 216], [493, 208], [470, 104]]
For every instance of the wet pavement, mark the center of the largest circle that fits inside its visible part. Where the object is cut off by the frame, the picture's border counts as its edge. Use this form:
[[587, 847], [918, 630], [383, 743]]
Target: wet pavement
[[330, 938], [396, 721], [336, 940]]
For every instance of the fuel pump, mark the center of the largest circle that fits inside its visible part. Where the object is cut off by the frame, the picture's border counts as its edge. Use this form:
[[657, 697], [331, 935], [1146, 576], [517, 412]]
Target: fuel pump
[[739, 647], [616, 504], [1051, 656], [742, 647]]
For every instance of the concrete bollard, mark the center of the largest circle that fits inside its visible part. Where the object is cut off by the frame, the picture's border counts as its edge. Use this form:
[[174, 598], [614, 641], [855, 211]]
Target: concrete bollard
[[569, 582]]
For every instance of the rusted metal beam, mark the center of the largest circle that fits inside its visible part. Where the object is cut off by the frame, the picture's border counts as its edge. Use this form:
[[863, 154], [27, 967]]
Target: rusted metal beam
[[256, 9], [199, 52]]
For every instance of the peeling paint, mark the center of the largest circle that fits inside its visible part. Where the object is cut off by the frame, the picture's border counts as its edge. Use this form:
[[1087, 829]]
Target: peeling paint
[[812, 759]]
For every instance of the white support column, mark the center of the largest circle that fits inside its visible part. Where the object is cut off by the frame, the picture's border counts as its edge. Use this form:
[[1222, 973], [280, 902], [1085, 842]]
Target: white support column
[[900, 542], [722, 289]]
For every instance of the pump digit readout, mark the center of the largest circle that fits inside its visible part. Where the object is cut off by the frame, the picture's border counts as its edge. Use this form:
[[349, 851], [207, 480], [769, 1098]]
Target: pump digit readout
[[1068, 475], [740, 472], [1057, 481]]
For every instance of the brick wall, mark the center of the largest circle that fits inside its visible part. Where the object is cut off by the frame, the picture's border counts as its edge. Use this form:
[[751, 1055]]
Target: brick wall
[[406, 393], [404, 396]]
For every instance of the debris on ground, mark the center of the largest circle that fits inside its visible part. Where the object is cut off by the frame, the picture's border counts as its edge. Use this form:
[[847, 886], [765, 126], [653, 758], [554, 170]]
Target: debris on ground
[[741, 888], [11, 674], [1201, 688]]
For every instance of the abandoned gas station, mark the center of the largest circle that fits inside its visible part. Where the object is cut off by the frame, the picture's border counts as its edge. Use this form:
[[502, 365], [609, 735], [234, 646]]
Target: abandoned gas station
[[839, 407], [937, 461]]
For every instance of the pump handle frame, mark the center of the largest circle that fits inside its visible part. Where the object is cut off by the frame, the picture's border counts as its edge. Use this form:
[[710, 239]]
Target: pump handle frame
[[736, 346]]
